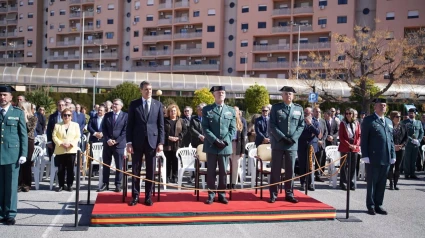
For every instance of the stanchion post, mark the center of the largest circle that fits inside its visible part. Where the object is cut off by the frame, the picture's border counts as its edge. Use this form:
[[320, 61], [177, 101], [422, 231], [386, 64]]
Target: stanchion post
[[90, 172], [77, 190]]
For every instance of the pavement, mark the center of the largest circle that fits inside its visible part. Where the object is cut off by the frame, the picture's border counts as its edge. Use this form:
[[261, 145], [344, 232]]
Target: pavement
[[44, 213]]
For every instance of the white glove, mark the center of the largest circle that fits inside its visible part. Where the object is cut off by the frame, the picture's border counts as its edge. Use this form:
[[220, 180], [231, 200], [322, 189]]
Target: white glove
[[415, 141], [22, 160], [392, 161], [366, 160]]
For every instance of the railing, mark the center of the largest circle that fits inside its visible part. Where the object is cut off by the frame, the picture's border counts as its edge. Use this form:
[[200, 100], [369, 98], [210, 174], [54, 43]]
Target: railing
[[12, 33], [63, 57], [270, 65], [188, 35], [281, 11], [155, 52], [187, 51], [307, 64], [104, 56], [165, 21], [318, 45], [151, 68], [88, 14], [75, 29], [156, 38], [88, 1], [12, 22], [67, 43], [11, 59], [277, 29], [303, 28], [299, 10], [165, 5], [271, 47], [109, 68], [181, 19], [13, 9], [75, 15], [4, 9], [11, 47], [184, 3], [197, 67], [74, 2], [72, 56]]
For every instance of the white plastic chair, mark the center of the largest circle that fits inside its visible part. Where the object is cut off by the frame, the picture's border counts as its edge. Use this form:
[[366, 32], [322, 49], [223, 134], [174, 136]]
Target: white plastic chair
[[249, 146], [332, 154], [97, 149], [163, 167], [187, 158], [36, 158], [53, 171], [251, 156]]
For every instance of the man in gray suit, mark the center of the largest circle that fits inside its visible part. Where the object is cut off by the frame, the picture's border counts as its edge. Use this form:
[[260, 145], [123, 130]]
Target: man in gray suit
[[219, 126], [320, 155], [286, 125]]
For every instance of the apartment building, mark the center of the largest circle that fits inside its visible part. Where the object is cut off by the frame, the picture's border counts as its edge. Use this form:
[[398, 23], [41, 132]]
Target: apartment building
[[84, 30], [20, 33]]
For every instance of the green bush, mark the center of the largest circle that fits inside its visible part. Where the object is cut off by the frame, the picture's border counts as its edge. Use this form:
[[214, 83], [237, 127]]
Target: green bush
[[256, 96], [202, 95], [127, 92]]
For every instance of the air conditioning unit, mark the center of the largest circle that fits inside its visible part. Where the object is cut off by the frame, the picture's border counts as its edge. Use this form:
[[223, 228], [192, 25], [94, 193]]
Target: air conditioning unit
[[252, 72], [161, 13], [98, 26], [244, 30], [322, 7], [29, 45], [136, 7], [59, 29], [134, 23], [189, 63], [191, 26], [323, 25]]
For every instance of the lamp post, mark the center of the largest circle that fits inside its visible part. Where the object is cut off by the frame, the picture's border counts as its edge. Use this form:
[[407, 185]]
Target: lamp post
[[94, 74], [100, 53], [298, 50], [82, 37], [159, 94]]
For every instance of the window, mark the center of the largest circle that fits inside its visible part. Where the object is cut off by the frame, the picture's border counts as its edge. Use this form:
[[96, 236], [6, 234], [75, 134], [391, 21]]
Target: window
[[149, 18], [390, 16], [61, 25], [62, 12], [29, 41], [150, 3], [390, 35], [210, 45], [136, 49], [98, 23], [52, 13], [211, 12], [262, 25], [21, 16], [30, 28], [21, 29], [136, 34], [323, 39], [341, 57], [342, 2], [322, 21], [244, 26], [262, 8], [109, 35], [243, 60], [167, 32], [110, 21], [244, 43], [210, 28], [263, 59], [30, 2], [111, 6], [21, 3], [136, 19], [195, 13], [413, 14], [29, 54], [198, 30], [99, 9], [212, 61], [30, 15], [323, 2], [245, 9], [303, 40], [52, 40], [281, 59], [282, 23], [341, 19], [52, 26]]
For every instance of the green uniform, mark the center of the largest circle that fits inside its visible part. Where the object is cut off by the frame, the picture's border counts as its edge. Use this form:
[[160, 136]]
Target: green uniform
[[285, 121], [414, 131], [217, 123], [14, 144]]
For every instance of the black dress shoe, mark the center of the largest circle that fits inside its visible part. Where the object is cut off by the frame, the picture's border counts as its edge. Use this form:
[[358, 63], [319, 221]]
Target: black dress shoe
[[59, 189], [381, 211], [371, 211], [69, 189], [406, 176], [291, 199], [310, 187], [104, 187], [414, 177], [353, 188], [134, 202], [272, 200], [148, 202], [302, 188], [10, 221], [3, 220], [118, 189], [318, 179], [209, 201], [343, 187], [223, 200]]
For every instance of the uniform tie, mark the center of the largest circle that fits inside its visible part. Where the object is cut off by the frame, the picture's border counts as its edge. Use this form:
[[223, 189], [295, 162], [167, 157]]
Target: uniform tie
[[382, 120], [3, 112]]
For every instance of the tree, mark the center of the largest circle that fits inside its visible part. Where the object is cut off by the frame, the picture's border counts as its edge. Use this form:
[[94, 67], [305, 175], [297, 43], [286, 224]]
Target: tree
[[202, 95], [168, 101], [127, 92], [41, 98], [361, 60], [256, 96]]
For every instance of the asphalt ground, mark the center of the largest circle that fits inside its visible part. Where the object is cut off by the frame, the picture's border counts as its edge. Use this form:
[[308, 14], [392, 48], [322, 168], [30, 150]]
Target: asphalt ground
[[44, 213]]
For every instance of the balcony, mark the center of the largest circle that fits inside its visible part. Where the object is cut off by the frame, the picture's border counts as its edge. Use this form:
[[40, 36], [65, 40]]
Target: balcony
[[75, 15], [278, 29], [275, 47], [109, 68], [303, 10], [270, 65], [13, 9], [281, 12], [165, 21], [63, 57], [181, 19], [71, 2], [12, 59], [11, 34], [156, 52], [156, 38], [214, 67], [193, 51], [166, 5], [308, 64], [97, 56], [86, 28], [151, 68], [67, 43], [188, 35], [88, 1], [182, 4], [318, 45], [10, 47]]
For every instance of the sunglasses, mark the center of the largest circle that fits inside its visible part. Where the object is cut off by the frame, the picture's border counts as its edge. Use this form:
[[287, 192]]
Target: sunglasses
[[397, 116], [67, 115], [265, 110], [348, 113], [116, 104]]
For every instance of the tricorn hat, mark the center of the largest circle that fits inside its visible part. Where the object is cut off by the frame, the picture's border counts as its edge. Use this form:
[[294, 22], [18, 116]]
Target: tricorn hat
[[287, 89], [379, 100], [6, 89]]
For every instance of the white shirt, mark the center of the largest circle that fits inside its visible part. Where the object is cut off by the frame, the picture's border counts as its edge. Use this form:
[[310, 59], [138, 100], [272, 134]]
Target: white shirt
[[149, 101], [99, 123], [6, 108]]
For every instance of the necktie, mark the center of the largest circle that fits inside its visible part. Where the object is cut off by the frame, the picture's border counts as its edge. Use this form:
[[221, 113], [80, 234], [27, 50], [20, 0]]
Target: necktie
[[2, 113], [115, 118], [146, 109], [382, 120], [328, 125]]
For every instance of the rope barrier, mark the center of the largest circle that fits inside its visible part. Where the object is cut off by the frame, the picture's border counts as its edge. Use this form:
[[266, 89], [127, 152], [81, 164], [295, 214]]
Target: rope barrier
[[343, 158]]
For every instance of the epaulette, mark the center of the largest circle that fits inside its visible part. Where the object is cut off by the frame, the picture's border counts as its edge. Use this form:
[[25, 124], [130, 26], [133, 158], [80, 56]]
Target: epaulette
[[295, 104], [17, 108]]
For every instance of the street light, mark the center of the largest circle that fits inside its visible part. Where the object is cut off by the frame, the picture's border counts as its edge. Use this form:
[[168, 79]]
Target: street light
[[100, 53], [246, 61], [299, 36], [94, 74], [82, 38], [159, 94]]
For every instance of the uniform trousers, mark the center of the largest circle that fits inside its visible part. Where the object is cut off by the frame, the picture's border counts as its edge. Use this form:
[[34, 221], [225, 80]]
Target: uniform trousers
[[9, 190], [279, 158], [214, 160], [410, 156], [376, 181]]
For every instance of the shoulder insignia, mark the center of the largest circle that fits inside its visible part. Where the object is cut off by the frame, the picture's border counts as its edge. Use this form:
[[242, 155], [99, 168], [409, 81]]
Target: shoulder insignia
[[17, 108]]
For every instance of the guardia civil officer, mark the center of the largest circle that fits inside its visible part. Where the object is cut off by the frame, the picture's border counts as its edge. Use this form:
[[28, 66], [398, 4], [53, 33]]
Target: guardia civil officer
[[377, 146], [219, 126], [286, 126], [13, 152], [415, 132]]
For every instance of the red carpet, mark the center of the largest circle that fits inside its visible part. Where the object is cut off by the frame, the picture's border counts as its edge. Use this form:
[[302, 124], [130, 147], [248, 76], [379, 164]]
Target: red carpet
[[182, 208]]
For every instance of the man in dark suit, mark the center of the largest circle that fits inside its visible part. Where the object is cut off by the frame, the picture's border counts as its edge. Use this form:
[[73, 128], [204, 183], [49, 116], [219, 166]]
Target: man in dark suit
[[219, 126], [13, 152], [286, 125], [321, 144], [114, 128], [95, 126], [195, 128], [41, 121], [261, 127], [145, 136], [53, 119], [187, 116], [378, 153], [332, 127]]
